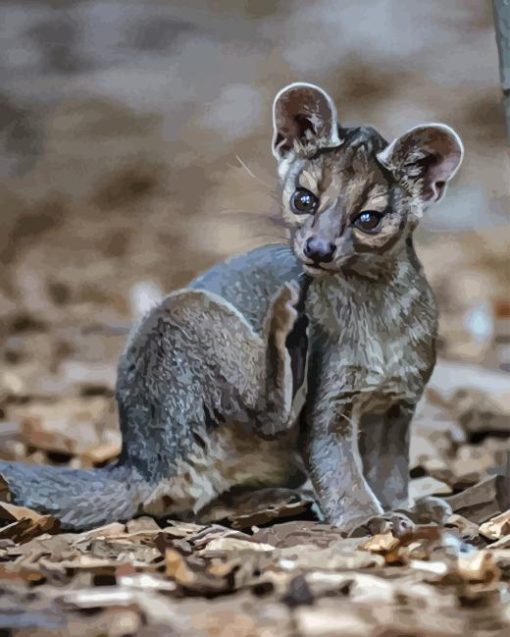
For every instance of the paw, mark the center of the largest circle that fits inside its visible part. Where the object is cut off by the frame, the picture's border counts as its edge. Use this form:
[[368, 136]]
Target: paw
[[284, 314], [395, 522], [431, 509]]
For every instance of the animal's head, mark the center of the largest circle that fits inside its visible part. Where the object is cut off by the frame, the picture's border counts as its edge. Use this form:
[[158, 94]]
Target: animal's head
[[350, 199]]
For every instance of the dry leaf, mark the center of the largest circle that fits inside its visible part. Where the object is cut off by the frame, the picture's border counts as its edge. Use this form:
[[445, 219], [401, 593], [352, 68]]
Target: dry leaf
[[100, 454], [502, 543], [381, 543], [14, 513], [68, 425], [294, 533], [497, 527], [25, 529], [193, 578], [228, 544], [427, 485], [465, 526], [115, 529], [143, 524], [242, 511], [478, 566], [482, 500]]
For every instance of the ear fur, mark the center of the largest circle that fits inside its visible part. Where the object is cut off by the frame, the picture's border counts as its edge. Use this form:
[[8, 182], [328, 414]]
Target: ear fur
[[426, 157], [303, 115]]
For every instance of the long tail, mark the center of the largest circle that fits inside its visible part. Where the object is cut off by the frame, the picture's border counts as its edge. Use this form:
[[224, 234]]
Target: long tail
[[79, 498]]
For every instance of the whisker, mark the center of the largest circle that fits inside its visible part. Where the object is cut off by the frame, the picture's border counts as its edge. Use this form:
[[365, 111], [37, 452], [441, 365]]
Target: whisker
[[251, 173], [271, 190]]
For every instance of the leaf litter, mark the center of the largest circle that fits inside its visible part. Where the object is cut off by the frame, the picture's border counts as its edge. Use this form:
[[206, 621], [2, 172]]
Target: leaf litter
[[262, 565]]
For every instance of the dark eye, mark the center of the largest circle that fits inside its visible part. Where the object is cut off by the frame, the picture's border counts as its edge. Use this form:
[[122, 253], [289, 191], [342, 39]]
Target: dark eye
[[303, 202], [368, 220]]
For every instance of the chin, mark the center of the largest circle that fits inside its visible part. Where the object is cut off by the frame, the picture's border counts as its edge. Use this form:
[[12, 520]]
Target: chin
[[318, 272]]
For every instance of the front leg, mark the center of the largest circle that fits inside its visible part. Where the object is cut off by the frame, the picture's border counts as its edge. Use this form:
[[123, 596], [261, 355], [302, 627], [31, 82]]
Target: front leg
[[384, 447], [334, 466]]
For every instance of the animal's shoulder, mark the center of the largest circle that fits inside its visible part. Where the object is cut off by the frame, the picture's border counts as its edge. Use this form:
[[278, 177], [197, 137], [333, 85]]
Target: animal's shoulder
[[250, 280]]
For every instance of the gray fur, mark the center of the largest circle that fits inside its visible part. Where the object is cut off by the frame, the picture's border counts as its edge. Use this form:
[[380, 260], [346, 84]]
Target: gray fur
[[224, 385]]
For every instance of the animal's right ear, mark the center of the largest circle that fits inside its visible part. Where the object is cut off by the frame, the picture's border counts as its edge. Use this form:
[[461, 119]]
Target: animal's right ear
[[303, 114]]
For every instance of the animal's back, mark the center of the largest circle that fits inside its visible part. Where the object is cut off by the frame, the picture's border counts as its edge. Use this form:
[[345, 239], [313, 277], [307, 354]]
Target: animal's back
[[250, 280]]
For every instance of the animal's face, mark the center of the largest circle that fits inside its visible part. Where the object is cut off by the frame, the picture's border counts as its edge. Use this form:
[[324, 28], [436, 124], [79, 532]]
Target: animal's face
[[349, 199]]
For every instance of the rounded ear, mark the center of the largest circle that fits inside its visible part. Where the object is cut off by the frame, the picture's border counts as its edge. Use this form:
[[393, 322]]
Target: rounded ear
[[303, 114], [426, 156]]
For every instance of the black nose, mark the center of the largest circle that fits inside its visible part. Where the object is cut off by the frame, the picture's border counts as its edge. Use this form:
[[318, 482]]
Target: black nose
[[319, 250]]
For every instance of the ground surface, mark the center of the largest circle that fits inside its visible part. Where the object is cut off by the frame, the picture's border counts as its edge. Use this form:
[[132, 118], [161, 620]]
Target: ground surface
[[264, 567], [134, 153]]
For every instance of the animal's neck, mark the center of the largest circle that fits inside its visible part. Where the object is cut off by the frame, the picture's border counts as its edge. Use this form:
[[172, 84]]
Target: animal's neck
[[400, 281]]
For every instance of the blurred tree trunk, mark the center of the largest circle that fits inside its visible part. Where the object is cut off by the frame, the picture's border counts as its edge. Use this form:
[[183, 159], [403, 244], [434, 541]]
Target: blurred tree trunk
[[502, 20]]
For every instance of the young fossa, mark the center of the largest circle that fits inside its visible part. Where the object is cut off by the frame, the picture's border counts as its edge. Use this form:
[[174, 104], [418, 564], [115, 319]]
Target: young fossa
[[315, 352]]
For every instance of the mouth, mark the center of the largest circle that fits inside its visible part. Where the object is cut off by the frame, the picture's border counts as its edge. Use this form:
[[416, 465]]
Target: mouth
[[316, 270]]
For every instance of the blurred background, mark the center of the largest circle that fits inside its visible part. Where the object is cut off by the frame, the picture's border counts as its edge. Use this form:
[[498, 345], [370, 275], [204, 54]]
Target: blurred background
[[135, 152]]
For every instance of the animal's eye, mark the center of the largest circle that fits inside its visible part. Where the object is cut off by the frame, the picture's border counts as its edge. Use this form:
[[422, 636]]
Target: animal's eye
[[303, 202], [368, 220]]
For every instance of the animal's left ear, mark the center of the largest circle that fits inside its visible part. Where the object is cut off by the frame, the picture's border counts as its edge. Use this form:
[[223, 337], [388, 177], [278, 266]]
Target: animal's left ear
[[426, 157]]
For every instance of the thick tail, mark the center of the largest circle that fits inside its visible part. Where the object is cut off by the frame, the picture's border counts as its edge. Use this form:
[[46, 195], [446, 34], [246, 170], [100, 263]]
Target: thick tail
[[79, 498]]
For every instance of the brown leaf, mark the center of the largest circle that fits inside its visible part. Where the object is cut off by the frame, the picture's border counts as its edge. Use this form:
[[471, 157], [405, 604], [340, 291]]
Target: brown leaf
[[25, 529], [257, 508], [114, 529], [176, 567], [503, 543], [72, 425], [340, 555], [427, 485], [229, 545], [192, 578], [478, 566], [481, 501], [14, 513], [100, 454], [294, 533], [20, 572], [381, 543], [478, 412], [497, 527], [142, 525], [469, 531]]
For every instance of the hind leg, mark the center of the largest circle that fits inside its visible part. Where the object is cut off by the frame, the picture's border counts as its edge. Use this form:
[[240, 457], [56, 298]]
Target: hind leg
[[195, 386]]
